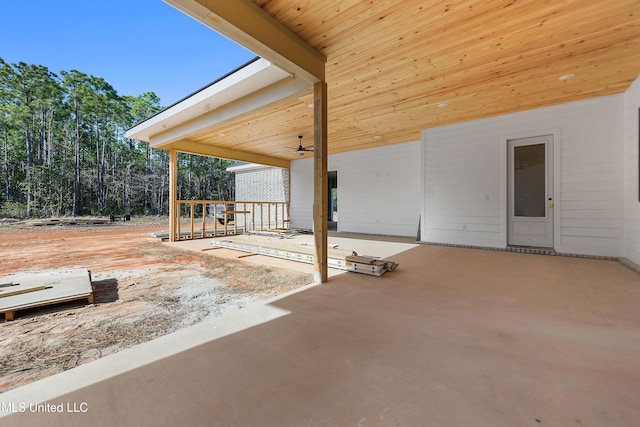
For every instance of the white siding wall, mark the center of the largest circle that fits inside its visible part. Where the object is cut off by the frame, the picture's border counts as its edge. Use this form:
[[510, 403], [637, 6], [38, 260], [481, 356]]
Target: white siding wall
[[378, 190], [465, 177], [631, 203], [301, 196]]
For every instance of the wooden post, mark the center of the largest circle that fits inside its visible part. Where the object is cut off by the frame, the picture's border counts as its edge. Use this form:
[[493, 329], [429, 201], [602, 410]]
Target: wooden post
[[253, 217], [173, 193], [287, 219], [244, 218], [204, 219], [192, 211], [235, 218], [225, 209], [320, 182], [261, 228]]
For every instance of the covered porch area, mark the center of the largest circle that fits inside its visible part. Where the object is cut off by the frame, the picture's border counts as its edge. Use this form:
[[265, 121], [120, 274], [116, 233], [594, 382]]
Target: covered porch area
[[453, 337]]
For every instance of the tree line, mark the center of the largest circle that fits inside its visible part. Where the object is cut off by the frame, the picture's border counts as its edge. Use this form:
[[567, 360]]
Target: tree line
[[63, 150]]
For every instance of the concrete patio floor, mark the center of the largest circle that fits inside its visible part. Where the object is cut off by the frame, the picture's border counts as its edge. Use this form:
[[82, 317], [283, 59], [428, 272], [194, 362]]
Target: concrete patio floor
[[453, 337]]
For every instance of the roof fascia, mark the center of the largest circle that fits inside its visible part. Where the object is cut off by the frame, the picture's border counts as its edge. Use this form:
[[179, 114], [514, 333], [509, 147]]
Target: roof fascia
[[281, 91], [243, 82]]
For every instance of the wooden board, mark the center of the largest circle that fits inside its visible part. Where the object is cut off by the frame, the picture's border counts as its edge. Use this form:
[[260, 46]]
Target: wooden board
[[59, 286], [361, 259], [20, 289], [68, 221]]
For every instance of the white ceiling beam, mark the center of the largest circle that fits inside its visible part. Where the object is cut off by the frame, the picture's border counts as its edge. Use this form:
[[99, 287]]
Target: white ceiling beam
[[245, 23]]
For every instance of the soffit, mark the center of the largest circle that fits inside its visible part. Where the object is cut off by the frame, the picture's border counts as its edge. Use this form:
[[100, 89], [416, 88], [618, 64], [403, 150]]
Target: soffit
[[391, 64]]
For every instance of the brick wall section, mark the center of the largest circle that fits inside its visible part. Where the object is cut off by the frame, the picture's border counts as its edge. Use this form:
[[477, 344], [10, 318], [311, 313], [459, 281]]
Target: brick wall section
[[263, 185]]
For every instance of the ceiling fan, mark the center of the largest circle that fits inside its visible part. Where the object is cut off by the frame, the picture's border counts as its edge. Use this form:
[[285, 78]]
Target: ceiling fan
[[301, 150]]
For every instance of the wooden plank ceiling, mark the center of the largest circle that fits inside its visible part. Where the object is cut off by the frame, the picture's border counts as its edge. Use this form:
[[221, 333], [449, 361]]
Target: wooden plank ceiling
[[392, 65]]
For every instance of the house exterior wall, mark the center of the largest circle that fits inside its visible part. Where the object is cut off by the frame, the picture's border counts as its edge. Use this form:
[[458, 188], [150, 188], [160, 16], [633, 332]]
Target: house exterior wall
[[301, 173], [265, 184], [465, 177], [631, 203], [378, 190]]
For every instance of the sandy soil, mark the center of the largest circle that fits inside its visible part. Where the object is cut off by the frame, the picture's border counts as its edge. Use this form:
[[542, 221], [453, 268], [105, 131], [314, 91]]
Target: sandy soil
[[143, 289]]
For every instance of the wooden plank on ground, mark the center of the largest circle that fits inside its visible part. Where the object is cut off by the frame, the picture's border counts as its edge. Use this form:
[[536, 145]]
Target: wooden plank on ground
[[20, 289], [360, 259]]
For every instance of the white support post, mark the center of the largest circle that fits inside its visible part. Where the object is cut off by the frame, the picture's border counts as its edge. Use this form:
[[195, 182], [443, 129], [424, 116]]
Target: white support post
[[174, 225]]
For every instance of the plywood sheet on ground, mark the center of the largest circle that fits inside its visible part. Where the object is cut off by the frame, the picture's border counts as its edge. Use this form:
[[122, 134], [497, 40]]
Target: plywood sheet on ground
[[59, 286]]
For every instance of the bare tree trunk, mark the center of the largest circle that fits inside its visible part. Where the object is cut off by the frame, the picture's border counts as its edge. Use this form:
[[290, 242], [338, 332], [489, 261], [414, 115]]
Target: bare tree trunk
[[102, 188], [76, 165], [50, 138], [99, 189], [7, 188], [27, 135], [42, 138]]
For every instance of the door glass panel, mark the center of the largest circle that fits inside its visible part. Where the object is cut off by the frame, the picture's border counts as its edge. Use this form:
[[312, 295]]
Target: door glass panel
[[529, 180]]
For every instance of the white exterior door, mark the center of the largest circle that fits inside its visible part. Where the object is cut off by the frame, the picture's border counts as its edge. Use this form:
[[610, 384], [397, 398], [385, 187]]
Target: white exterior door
[[530, 187]]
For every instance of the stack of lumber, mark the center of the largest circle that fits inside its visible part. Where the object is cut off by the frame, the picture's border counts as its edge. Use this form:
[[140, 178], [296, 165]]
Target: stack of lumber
[[68, 221]]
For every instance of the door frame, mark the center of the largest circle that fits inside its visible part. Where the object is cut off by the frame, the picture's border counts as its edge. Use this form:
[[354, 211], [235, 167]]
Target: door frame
[[332, 177], [556, 135]]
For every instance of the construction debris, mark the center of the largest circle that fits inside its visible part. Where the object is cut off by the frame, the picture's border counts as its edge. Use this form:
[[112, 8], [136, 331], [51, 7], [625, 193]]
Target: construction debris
[[68, 221], [368, 263], [279, 232], [302, 252]]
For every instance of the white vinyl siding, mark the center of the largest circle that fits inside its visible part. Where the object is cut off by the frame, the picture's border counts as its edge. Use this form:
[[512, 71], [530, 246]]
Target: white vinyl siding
[[461, 192], [465, 177], [378, 190], [631, 203], [456, 180], [301, 196]]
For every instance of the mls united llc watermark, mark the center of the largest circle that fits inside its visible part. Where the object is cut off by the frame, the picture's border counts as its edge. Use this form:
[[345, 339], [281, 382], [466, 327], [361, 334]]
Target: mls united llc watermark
[[64, 407]]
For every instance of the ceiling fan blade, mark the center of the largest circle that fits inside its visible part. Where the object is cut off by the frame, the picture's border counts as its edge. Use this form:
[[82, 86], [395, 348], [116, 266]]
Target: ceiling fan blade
[[301, 150]]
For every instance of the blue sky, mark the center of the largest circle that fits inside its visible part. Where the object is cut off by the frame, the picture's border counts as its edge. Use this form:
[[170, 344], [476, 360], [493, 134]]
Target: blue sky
[[136, 45]]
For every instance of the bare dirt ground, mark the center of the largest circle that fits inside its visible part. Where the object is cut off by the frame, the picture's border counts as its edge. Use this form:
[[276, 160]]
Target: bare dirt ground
[[142, 288]]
